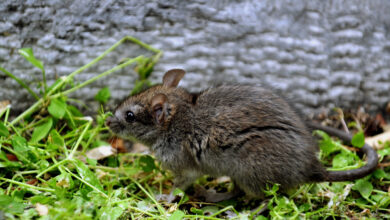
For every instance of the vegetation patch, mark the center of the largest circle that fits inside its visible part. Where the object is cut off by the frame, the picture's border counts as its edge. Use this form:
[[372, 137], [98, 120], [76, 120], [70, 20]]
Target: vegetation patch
[[56, 163]]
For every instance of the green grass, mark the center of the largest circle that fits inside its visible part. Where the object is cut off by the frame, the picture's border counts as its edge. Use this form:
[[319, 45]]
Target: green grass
[[44, 173]]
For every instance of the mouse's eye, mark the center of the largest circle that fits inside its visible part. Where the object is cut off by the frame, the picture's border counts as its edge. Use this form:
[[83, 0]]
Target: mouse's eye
[[129, 116]]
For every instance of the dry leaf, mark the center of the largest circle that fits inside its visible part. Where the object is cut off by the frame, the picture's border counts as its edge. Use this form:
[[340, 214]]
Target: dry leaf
[[118, 144], [366, 211], [63, 183], [378, 141], [3, 105], [46, 176], [173, 208], [222, 179], [41, 209], [32, 182], [101, 174], [101, 152], [139, 148], [11, 157]]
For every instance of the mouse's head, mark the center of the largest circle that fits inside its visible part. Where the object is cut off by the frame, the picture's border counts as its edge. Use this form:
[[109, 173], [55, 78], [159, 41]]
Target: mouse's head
[[147, 114]]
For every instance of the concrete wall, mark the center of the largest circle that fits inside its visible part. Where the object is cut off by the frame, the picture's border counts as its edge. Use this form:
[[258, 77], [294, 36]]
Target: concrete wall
[[320, 53]]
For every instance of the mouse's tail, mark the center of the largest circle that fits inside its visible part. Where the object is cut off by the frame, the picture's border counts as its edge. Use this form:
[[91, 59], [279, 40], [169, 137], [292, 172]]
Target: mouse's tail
[[371, 155]]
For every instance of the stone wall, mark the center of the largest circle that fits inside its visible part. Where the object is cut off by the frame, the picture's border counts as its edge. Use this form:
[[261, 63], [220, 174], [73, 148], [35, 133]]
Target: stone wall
[[320, 53]]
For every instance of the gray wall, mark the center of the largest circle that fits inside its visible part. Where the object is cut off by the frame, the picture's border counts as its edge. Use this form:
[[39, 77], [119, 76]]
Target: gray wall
[[320, 53]]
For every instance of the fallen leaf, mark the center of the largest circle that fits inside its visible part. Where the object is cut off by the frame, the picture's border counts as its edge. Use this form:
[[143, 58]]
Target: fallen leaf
[[63, 183], [173, 208], [139, 148], [101, 152], [101, 174], [32, 182], [366, 211], [222, 179], [41, 209], [4, 105], [46, 176], [378, 141], [11, 157], [118, 144]]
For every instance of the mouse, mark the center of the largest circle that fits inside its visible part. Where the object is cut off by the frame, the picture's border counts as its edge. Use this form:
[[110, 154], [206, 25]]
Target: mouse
[[247, 133]]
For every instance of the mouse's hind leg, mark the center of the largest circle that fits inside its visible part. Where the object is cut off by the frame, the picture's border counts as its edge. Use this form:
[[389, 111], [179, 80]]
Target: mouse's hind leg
[[252, 189]]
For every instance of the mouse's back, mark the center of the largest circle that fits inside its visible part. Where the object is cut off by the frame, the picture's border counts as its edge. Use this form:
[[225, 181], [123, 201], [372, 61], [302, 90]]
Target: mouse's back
[[255, 137], [248, 105]]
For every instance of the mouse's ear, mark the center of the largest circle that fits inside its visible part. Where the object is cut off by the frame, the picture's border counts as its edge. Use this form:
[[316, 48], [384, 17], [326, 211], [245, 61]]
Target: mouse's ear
[[159, 108], [173, 77]]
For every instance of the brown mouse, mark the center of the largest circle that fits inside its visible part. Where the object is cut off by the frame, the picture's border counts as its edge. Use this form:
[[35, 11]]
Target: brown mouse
[[245, 132]]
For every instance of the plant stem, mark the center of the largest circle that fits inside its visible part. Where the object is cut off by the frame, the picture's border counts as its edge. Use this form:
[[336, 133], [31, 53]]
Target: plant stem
[[380, 192], [157, 57], [34, 107], [7, 113], [30, 110], [65, 79], [15, 130], [222, 210], [21, 83], [80, 138], [160, 209], [144, 212], [81, 69], [98, 77], [146, 46], [20, 156], [44, 83], [91, 137], [27, 185], [27, 172], [51, 167], [70, 117], [97, 59]]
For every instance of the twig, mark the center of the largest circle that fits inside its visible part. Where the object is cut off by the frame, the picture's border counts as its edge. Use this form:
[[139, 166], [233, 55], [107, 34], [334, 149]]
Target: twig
[[387, 164], [341, 115]]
